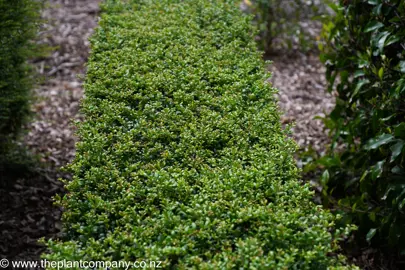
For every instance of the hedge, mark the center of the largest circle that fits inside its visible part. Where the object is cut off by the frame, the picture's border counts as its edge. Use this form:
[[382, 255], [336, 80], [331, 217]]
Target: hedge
[[182, 157], [365, 176], [19, 20]]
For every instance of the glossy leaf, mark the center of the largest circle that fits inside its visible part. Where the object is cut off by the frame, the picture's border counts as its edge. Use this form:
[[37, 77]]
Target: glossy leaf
[[401, 66], [367, 125], [373, 25], [371, 234], [378, 141], [396, 149]]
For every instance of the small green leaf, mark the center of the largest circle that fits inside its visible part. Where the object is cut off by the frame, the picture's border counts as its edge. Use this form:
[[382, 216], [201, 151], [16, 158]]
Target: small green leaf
[[387, 192], [378, 141], [365, 173], [381, 73], [396, 150], [372, 216], [325, 177], [354, 207], [373, 25], [371, 234]]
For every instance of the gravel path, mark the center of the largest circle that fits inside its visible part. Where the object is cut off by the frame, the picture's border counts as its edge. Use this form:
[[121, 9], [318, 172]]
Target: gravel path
[[71, 24]]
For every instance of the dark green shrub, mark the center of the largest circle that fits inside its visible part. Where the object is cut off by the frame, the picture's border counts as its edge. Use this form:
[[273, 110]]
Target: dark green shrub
[[18, 27], [364, 170], [182, 157]]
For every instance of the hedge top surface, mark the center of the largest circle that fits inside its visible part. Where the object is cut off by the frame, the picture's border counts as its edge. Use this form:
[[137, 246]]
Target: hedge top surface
[[182, 157]]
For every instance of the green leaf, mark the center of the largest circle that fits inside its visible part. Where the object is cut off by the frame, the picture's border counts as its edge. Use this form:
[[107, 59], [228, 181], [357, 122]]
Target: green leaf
[[401, 66], [377, 9], [377, 170], [363, 63], [381, 73], [399, 130], [401, 204], [359, 86], [373, 25], [381, 41], [372, 216], [373, 2], [325, 177], [396, 150], [387, 192], [378, 141], [365, 173], [371, 234], [388, 117], [392, 40], [359, 73], [398, 170]]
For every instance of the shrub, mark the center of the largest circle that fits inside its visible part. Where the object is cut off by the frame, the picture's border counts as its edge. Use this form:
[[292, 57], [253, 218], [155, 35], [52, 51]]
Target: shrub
[[365, 176], [182, 156], [18, 27], [284, 23]]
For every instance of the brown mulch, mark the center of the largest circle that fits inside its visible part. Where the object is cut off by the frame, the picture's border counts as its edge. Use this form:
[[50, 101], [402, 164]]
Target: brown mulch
[[71, 24], [301, 83], [26, 205]]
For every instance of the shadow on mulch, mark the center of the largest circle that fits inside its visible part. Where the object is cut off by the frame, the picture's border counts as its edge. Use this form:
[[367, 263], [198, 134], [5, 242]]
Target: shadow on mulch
[[27, 213]]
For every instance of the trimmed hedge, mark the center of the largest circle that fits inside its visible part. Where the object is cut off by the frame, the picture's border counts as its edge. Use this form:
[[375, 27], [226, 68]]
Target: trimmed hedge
[[18, 27], [182, 157], [364, 47]]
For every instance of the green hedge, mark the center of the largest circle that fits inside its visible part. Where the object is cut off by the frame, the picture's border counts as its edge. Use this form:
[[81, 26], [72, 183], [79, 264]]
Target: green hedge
[[18, 27], [182, 157], [365, 178]]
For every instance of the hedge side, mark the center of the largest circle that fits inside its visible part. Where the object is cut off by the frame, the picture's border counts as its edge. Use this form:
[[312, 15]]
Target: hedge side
[[182, 157], [18, 27]]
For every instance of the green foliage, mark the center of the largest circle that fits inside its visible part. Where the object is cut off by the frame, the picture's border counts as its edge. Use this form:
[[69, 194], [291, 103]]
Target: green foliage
[[182, 157], [365, 50], [282, 23], [19, 20]]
